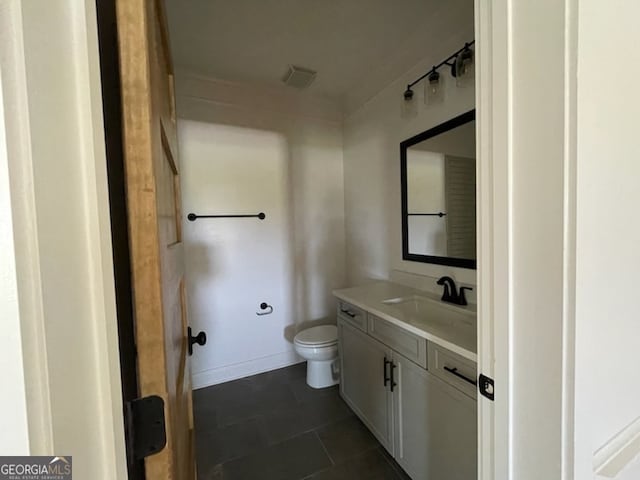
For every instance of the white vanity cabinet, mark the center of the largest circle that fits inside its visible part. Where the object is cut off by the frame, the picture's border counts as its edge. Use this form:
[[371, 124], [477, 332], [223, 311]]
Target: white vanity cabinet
[[426, 420], [362, 383], [435, 429]]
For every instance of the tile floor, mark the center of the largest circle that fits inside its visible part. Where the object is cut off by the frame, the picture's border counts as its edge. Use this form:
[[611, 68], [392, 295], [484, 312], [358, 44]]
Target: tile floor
[[273, 426]]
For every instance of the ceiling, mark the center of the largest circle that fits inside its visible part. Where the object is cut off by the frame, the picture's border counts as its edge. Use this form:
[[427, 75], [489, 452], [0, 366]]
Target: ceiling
[[343, 40]]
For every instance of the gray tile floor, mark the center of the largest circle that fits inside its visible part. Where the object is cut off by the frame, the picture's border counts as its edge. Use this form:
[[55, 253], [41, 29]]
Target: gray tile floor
[[274, 427]]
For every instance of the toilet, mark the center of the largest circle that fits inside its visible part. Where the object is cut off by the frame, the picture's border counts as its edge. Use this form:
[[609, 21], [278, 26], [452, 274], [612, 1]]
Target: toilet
[[319, 347]]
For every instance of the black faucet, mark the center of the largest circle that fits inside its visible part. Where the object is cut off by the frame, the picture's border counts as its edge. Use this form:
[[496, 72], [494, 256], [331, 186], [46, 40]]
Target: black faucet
[[450, 293]]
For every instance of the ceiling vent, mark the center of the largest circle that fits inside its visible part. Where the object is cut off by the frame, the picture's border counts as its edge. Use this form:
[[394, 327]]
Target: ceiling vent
[[299, 77]]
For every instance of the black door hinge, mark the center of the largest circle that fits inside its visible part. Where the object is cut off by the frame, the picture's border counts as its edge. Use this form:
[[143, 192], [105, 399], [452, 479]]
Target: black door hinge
[[146, 426], [486, 386]]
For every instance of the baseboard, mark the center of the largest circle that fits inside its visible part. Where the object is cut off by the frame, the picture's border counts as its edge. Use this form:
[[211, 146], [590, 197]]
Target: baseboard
[[618, 452], [226, 373]]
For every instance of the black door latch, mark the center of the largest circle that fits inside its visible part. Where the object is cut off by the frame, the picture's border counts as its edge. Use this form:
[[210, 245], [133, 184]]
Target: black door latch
[[486, 386], [200, 339]]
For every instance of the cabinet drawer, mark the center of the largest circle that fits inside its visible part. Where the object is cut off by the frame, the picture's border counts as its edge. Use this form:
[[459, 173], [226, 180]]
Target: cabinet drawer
[[411, 346], [352, 315], [452, 367]]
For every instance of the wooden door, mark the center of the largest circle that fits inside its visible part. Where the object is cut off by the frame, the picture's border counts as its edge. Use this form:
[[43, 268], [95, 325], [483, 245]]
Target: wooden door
[[153, 204], [362, 382]]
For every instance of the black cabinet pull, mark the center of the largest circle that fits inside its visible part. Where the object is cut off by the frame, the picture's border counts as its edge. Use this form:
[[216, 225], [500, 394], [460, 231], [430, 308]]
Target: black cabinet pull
[[393, 382], [347, 312], [455, 372], [384, 371]]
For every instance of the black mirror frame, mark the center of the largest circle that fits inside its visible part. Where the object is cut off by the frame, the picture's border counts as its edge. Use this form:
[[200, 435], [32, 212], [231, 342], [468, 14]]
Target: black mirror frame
[[432, 132]]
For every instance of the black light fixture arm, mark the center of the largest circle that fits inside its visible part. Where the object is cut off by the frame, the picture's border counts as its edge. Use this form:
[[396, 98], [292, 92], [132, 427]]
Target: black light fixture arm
[[443, 62]]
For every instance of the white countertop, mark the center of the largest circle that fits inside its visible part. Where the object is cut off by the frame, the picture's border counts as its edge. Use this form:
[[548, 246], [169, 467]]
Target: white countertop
[[450, 326]]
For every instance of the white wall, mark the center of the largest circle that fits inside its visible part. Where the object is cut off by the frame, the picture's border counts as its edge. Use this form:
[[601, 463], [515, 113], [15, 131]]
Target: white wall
[[233, 265], [607, 329], [372, 135], [296, 257], [60, 222]]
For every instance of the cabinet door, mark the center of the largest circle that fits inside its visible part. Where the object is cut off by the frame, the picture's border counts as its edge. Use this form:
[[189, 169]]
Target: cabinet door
[[362, 381], [435, 426]]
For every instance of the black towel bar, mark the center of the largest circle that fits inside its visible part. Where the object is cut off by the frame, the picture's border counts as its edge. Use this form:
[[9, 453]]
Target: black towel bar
[[439, 214], [192, 217]]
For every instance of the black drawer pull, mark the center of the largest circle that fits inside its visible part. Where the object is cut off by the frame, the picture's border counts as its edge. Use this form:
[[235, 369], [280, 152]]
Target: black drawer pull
[[393, 382], [455, 372], [386, 378], [347, 312]]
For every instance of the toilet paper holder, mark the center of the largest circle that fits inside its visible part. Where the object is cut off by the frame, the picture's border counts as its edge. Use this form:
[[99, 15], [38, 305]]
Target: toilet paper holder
[[267, 309]]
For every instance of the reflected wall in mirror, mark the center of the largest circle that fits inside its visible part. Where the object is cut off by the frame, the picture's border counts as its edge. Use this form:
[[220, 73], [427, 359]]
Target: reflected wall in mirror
[[438, 172]]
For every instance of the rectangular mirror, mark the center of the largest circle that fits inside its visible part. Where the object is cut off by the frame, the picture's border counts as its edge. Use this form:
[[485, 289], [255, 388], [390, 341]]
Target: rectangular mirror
[[438, 174]]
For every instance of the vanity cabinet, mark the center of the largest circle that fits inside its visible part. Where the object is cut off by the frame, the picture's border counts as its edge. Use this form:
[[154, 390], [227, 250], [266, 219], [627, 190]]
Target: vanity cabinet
[[435, 429], [353, 315], [425, 419], [362, 364], [411, 346]]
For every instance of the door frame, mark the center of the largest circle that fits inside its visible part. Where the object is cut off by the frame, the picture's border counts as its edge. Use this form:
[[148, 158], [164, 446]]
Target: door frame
[[86, 175], [491, 23], [60, 215], [526, 280]]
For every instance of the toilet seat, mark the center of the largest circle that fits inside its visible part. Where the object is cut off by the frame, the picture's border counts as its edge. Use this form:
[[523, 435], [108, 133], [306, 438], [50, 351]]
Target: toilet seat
[[320, 336]]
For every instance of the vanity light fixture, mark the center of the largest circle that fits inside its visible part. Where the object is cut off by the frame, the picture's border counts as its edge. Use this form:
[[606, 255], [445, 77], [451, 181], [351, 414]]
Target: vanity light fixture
[[462, 68], [409, 108], [461, 63], [433, 91], [408, 93]]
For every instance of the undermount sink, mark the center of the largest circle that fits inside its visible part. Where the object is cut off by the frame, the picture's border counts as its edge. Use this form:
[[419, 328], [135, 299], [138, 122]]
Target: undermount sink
[[432, 311]]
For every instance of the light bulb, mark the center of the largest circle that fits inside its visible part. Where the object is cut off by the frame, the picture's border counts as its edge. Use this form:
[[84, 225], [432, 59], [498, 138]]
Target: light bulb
[[409, 106], [433, 88], [464, 71], [408, 94]]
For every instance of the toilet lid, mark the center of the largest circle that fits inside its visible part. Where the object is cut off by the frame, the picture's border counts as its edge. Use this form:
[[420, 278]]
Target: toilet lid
[[320, 335]]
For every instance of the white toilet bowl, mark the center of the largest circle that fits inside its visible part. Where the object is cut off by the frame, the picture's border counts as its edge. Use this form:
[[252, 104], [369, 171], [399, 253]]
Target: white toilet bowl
[[319, 347]]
